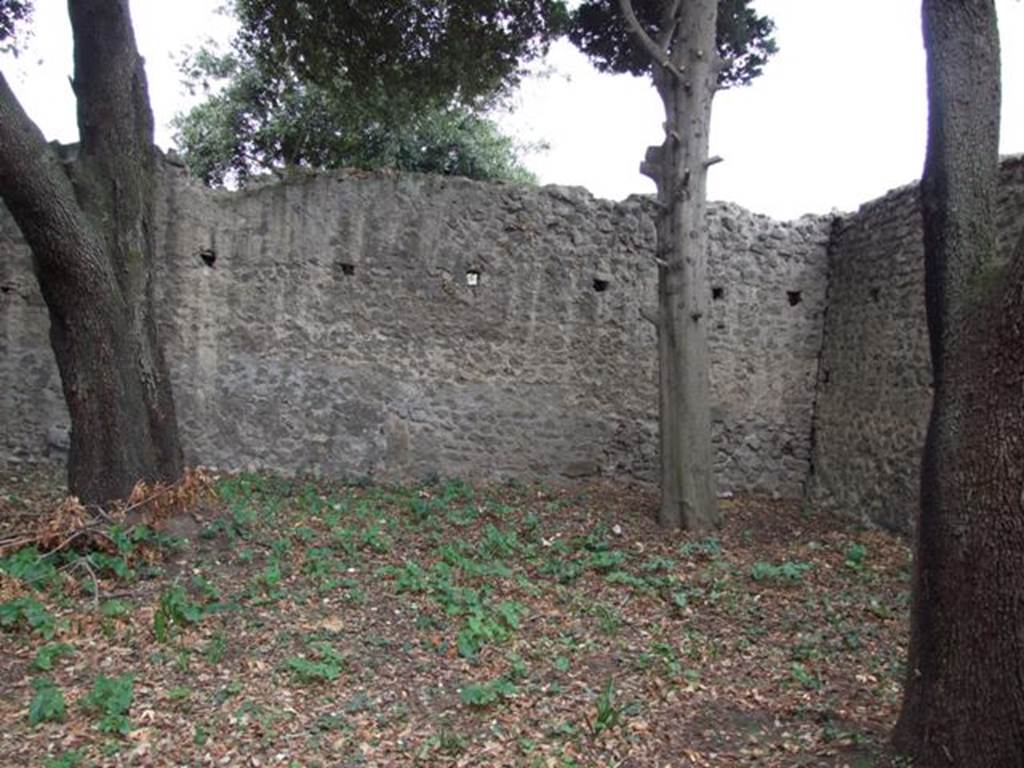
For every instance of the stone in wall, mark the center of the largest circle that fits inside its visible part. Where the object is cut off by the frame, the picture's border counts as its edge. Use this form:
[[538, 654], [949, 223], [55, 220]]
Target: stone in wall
[[33, 416], [401, 325], [875, 388]]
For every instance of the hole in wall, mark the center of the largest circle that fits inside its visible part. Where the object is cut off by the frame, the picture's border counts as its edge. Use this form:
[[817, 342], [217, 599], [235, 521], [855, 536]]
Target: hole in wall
[[794, 297], [717, 293], [209, 256], [472, 277], [875, 293], [348, 269], [601, 284]]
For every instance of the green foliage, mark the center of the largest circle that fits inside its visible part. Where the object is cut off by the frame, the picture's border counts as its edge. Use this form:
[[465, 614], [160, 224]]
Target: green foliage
[[562, 569], [267, 110], [320, 565], [657, 564], [115, 609], [47, 702], [127, 541], [27, 612], [176, 609], [70, 759], [12, 13], [326, 665], [111, 699], [608, 714], [32, 568], [488, 693], [805, 677], [605, 561], [487, 623], [409, 578], [856, 553], [215, 648], [787, 570], [744, 38], [710, 547], [49, 653], [420, 52], [499, 543], [647, 583], [609, 619]]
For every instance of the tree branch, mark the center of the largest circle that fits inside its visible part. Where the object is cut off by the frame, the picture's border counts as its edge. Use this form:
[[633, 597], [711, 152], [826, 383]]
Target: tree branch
[[39, 195], [110, 81], [668, 24], [658, 53]]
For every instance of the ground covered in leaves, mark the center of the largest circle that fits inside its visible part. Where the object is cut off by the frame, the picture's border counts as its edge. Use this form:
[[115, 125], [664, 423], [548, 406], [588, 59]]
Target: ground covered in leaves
[[303, 624]]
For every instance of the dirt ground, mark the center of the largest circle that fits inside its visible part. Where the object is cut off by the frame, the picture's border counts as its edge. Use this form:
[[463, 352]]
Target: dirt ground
[[288, 623]]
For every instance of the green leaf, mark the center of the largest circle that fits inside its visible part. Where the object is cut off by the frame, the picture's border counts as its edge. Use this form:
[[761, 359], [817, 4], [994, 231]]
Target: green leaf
[[46, 655], [47, 702], [29, 612], [175, 609], [70, 759], [485, 694], [111, 698], [30, 567]]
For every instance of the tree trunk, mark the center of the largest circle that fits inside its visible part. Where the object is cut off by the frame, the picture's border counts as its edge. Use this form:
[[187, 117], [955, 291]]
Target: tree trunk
[[89, 223], [686, 75], [964, 697]]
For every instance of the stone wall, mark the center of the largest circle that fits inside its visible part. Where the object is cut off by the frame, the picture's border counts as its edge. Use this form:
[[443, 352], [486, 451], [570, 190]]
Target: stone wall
[[875, 388], [336, 331]]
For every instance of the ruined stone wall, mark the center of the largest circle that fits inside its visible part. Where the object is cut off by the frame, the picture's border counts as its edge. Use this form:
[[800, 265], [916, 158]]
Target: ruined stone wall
[[336, 332], [875, 387]]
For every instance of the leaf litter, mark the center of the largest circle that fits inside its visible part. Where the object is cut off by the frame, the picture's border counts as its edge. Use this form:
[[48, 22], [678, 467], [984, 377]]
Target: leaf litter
[[295, 623]]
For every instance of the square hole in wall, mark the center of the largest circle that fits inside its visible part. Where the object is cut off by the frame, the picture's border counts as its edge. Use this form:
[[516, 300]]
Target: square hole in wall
[[601, 284], [717, 293], [794, 297]]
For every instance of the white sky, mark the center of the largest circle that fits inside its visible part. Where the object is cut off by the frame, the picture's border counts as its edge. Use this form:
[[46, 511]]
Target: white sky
[[837, 119]]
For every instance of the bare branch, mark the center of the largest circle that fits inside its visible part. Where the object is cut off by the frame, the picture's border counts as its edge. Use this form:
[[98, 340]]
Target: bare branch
[[713, 161], [655, 51]]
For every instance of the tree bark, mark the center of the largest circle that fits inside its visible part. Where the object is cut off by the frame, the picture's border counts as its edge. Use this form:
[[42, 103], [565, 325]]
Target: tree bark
[[685, 75], [88, 222], [964, 695]]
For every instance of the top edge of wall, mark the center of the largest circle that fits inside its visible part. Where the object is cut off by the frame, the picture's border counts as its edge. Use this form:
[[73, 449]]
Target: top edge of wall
[[568, 193], [1007, 163]]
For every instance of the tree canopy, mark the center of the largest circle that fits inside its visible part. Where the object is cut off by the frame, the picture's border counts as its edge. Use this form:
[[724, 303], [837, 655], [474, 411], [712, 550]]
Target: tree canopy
[[267, 117], [419, 51], [744, 38], [12, 12]]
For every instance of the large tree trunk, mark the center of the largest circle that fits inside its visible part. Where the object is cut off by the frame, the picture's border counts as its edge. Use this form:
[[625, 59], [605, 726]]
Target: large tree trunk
[[964, 698], [89, 223], [686, 76]]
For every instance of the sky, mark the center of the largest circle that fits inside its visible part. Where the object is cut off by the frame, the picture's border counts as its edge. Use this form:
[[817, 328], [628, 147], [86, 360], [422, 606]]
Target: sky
[[838, 118]]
